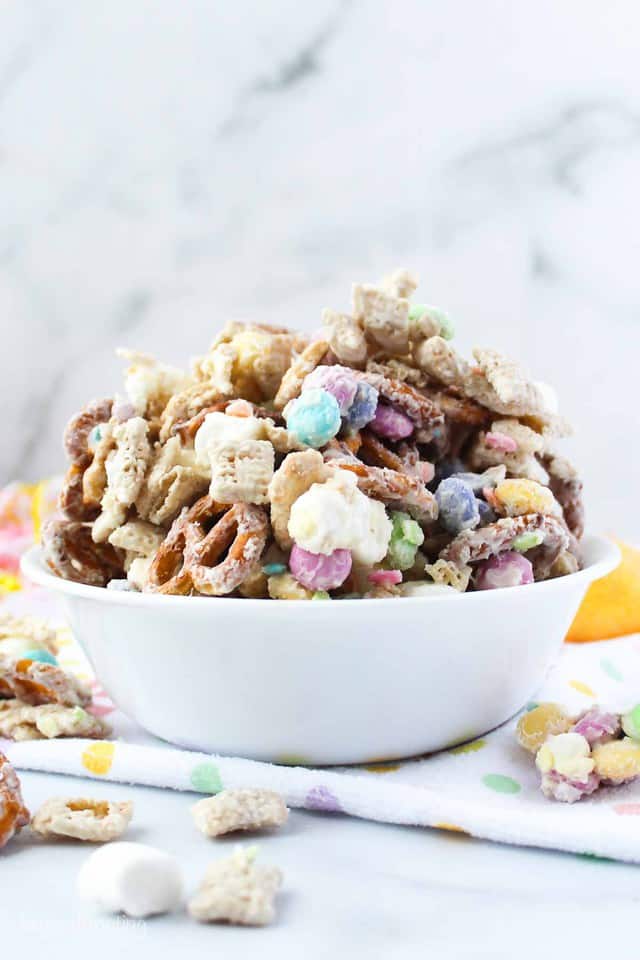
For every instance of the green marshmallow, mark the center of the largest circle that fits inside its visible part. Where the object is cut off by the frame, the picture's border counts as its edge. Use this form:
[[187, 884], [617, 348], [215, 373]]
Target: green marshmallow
[[406, 537], [527, 541], [320, 595], [418, 310], [631, 723]]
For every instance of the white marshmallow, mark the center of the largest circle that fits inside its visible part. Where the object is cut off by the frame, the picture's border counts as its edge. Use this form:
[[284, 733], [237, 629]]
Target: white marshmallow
[[131, 878], [336, 515]]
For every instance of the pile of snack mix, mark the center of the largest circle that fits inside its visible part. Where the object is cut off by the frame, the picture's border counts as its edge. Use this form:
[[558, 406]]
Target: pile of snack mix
[[368, 460]]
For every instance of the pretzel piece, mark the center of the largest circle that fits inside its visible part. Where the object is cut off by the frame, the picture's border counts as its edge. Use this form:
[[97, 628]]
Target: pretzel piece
[[70, 551], [13, 813], [242, 532]]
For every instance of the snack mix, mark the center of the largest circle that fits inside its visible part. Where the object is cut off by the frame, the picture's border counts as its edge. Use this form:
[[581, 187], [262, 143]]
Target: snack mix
[[577, 755], [353, 463]]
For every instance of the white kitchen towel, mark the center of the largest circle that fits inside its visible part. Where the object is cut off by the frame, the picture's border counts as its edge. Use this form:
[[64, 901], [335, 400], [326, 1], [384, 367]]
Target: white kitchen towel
[[487, 788]]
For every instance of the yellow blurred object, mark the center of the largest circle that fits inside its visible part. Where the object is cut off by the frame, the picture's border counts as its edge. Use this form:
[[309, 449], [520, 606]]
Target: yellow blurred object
[[611, 607]]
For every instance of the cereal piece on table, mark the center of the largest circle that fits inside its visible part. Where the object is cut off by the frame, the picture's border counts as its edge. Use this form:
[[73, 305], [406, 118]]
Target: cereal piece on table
[[22, 721], [284, 586], [545, 720], [300, 368], [150, 384], [70, 551], [37, 683], [126, 467], [508, 569], [97, 821], [233, 810], [30, 632], [235, 890], [13, 813], [449, 574], [384, 316], [313, 417], [617, 761], [242, 473], [345, 338], [138, 537], [131, 878], [296, 474], [400, 283]]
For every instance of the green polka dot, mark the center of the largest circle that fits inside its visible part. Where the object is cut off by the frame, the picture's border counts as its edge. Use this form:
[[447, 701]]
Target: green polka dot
[[293, 760], [611, 670], [205, 778], [501, 784], [472, 747]]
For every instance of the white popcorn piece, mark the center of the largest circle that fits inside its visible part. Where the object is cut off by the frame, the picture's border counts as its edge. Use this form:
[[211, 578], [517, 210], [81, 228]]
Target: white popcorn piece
[[385, 317], [233, 810], [242, 473], [235, 890], [131, 878], [149, 384], [569, 754], [95, 821]]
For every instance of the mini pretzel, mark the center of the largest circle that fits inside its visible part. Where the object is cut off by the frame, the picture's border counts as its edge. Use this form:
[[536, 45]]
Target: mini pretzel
[[394, 487], [35, 683], [470, 546], [70, 552], [296, 474], [13, 813], [566, 487], [243, 531], [424, 412], [301, 367], [458, 408]]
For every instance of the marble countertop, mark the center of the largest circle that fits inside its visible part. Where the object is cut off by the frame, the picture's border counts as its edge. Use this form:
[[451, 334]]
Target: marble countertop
[[166, 167], [352, 889]]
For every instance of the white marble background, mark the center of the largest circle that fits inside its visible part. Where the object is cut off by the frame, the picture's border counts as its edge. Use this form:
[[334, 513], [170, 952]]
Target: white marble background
[[167, 165]]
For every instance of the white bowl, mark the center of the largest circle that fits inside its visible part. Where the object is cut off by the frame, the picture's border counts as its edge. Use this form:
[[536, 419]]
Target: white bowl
[[324, 682]]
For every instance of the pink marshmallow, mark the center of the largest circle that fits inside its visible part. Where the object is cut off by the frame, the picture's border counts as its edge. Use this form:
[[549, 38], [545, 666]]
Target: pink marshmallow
[[391, 424], [320, 571], [385, 578], [500, 441], [508, 569]]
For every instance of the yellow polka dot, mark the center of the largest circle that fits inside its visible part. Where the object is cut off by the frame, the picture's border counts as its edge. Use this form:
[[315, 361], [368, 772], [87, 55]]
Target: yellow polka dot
[[449, 826], [98, 757], [9, 583], [582, 688], [379, 766], [471, 747]]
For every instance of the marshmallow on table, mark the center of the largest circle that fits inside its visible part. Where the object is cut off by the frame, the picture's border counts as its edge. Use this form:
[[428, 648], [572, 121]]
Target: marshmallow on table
[[131, 878]]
